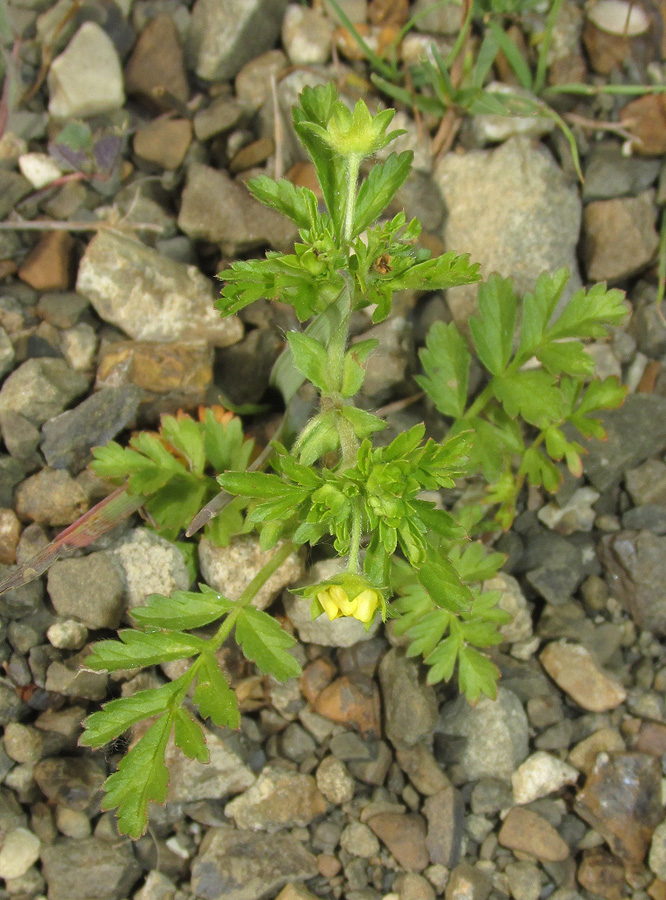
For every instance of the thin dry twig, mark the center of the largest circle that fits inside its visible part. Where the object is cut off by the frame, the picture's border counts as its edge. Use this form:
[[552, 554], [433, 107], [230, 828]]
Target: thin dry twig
[[599, 125], [57, 225]]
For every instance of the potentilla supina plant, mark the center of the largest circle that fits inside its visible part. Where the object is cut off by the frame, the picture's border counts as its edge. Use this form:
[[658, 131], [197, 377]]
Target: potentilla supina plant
[[333, 481]]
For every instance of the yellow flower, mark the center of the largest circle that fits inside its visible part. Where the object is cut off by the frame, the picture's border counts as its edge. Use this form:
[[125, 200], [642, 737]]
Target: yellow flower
[[335, 603]]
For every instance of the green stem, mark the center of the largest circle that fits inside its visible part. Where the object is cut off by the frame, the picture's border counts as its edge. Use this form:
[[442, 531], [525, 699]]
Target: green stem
[[542, 62], [251, 592], [354, 541], [353, 168], [481, 401]]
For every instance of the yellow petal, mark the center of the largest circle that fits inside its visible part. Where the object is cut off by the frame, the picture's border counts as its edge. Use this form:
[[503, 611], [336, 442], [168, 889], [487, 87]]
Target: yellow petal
[[330, 607], [366, 605]]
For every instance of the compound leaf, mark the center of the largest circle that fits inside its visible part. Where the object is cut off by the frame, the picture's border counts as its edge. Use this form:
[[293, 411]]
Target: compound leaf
[[439, 577], [183, 610], [141, 777], [590, 313], [532, 394], [118, 715], [136, 649], [492, 330], [265, 643], [446, 361], [476, 674], [213, 696], [379, 188], [310, 358], [296, 203], [188, 736]]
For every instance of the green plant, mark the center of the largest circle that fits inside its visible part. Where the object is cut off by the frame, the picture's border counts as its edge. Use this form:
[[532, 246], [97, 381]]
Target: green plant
[[334, 482], [456, 85]]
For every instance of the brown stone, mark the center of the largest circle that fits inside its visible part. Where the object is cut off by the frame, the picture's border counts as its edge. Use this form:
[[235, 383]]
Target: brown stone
[[303, 174], [50, 265], [156, 69], [527, 832], [645, 117], [173, 375], [328, 865], [295, 892], [10, 532], [584, 755], [619, 237], [253, 154], [352, 700], [651, 739], [388, 12], [601, 873], [605, 51], [420, 766], [316, 677], [657, 890], [51, 497], [164, 142], [404, 836], [573, 669], [622, 801]]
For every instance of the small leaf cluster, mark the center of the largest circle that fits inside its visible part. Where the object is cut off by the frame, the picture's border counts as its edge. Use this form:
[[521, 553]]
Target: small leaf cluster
[[539, 373], [379, 496], [174, 469], [164, 633], [378, 258]]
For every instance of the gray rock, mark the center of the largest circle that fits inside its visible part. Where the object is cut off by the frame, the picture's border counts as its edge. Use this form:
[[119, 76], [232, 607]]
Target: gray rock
[[110, 869], [241, 865], [87, 588], [40, 389], [20, 850], [21, 438], [215, 208], [649, 517], [86, 79], [490, 795], [410, 705], [445, 812], [524, 880], [11, 705], [619, 237], [657, 857], [6, 353], [388, 366], [11, 473], [51, 497], [20, 601], [278, 799], [226, 772], [647, 483], [68, 438], [358, 840], [334, 781], [307, 36], [512, 210], [496, 732], [71, 680], [221, 116], [443, 18], [635, 563], [635, 431], [72, 781], [223, 37], [554, 567], [230, 569], [609, 174], [150, 296], [493, 128], [150, 565], [13, 188], [253, 82]]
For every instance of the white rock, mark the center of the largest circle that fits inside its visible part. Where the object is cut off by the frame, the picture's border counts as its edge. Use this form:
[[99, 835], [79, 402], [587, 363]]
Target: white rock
[[307, 36], [576, 515], [20, 850], [39, 168], [86, 79], [79, 346], [541, 774], [67, 634], [514, 602], [619, 17], [150, 565], [493, 128], [230, 569]]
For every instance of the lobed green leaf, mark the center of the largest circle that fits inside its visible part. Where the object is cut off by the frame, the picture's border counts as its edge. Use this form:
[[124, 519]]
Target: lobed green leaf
[[446, 361], [493, 329], [213, 696], [136, 649], [265, 643], [182, 610]]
